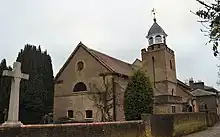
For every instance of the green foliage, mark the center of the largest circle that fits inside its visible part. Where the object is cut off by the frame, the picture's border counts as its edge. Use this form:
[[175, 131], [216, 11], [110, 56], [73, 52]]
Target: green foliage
[[36, 94], [5, 86], [210, 15], [138, 97]]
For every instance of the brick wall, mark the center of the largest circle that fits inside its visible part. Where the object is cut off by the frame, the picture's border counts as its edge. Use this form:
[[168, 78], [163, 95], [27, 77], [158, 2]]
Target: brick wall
[[177, 124], [110, 129]]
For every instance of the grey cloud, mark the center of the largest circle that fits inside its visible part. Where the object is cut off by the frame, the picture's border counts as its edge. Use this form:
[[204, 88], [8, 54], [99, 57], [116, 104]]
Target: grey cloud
[[114, 27]]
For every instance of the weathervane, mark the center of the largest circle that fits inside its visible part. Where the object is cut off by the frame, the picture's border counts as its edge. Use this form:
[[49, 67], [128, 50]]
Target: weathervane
[[154, 14]]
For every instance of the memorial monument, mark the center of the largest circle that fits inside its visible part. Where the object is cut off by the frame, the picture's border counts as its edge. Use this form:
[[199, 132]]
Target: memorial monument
[[13, 112]]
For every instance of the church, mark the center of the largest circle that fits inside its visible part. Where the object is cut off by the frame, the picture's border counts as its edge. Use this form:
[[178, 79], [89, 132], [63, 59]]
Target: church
[[86, 67]]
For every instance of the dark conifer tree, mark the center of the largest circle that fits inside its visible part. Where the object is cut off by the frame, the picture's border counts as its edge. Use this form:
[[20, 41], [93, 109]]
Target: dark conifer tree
[[5, 86], [37, 92]]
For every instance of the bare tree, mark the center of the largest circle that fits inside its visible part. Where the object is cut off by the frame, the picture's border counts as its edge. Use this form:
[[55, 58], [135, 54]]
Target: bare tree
[[103, 97]]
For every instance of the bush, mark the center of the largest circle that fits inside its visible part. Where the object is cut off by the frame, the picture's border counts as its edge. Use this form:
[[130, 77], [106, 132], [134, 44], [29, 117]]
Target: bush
[[138, 97]]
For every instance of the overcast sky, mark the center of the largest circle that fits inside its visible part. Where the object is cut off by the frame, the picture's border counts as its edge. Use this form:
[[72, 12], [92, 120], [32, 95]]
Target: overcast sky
[[115, 27]]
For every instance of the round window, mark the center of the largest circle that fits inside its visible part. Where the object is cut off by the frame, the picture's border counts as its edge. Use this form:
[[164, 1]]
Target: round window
[[80, 66]]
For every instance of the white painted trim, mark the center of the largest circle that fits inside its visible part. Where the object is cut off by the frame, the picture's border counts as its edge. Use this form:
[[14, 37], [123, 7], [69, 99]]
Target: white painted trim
[[154, 39]]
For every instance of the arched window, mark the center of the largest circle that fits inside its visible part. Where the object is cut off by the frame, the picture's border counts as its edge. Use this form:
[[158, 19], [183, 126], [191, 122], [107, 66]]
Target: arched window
[[171, 66], [79, 87], [164, 39], [153, 63], [150, 40], [172, 92], [158, 39]]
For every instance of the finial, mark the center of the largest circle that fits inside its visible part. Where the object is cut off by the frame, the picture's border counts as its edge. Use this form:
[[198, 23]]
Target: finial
[[154, 12]]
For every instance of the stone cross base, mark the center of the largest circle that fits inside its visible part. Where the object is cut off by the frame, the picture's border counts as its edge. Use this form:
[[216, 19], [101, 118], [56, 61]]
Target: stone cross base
[[12, 124]]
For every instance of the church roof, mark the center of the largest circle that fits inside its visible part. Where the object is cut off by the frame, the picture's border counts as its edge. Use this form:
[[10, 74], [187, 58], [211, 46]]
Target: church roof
[[156, 29], [201, 92], [112, 64], [116, 65]]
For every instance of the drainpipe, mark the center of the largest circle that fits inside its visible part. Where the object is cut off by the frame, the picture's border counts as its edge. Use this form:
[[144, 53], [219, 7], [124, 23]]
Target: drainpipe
[[114, 100]]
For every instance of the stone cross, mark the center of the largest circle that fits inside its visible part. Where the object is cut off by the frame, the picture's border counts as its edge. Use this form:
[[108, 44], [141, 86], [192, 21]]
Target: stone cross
[[13, 112]]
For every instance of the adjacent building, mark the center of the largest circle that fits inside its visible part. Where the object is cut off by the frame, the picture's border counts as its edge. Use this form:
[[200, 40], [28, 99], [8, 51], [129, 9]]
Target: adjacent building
[[207, 97]]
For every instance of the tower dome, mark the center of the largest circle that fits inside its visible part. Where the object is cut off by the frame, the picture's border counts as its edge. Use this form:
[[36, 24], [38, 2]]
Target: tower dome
[[156, 34]]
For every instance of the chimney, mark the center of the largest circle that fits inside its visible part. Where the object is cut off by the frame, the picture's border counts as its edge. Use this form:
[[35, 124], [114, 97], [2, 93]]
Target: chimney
[[196, 85], [191, 83]]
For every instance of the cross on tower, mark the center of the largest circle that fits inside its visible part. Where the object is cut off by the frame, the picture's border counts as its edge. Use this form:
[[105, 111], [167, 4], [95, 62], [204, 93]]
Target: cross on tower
[[154, 13], [14, 95]]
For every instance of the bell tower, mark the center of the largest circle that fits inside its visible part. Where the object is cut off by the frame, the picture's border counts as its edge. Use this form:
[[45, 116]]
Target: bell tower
[[159, 61]]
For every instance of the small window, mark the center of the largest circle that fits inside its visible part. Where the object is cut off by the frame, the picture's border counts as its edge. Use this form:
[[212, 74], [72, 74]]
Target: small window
[[158, 39], [80, 65], [70, 113], [88, 113], [150, 40], [153, 58], [171, 66], [152, 47], [173, 109], [164, 39], [172, 92]]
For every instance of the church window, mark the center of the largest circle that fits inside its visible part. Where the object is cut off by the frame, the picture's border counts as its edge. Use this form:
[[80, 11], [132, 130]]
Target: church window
[[150, 40], [88, 113], [152, 47], [79, 87], [164, 39], [158, 39], [153, 62], [70, 114], [80, 65], [171, 66], [173, 109]]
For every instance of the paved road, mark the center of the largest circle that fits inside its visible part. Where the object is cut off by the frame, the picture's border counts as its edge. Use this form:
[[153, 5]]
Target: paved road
[[210, 132]]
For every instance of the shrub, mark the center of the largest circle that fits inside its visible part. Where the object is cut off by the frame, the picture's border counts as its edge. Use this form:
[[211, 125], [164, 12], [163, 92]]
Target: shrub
[[138, 97]]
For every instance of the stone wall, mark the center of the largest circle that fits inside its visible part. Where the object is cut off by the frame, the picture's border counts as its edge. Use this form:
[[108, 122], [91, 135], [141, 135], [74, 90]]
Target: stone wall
[[185, 123], [212, 118], [111, 129], [174, 125]]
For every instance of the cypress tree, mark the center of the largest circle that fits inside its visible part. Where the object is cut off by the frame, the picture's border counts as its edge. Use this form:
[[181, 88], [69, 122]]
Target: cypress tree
[[138, 97], [5, 87], [37, 92]]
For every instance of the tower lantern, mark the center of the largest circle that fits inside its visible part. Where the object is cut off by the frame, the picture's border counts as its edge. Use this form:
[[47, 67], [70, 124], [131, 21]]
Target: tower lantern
[[156, 34]]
